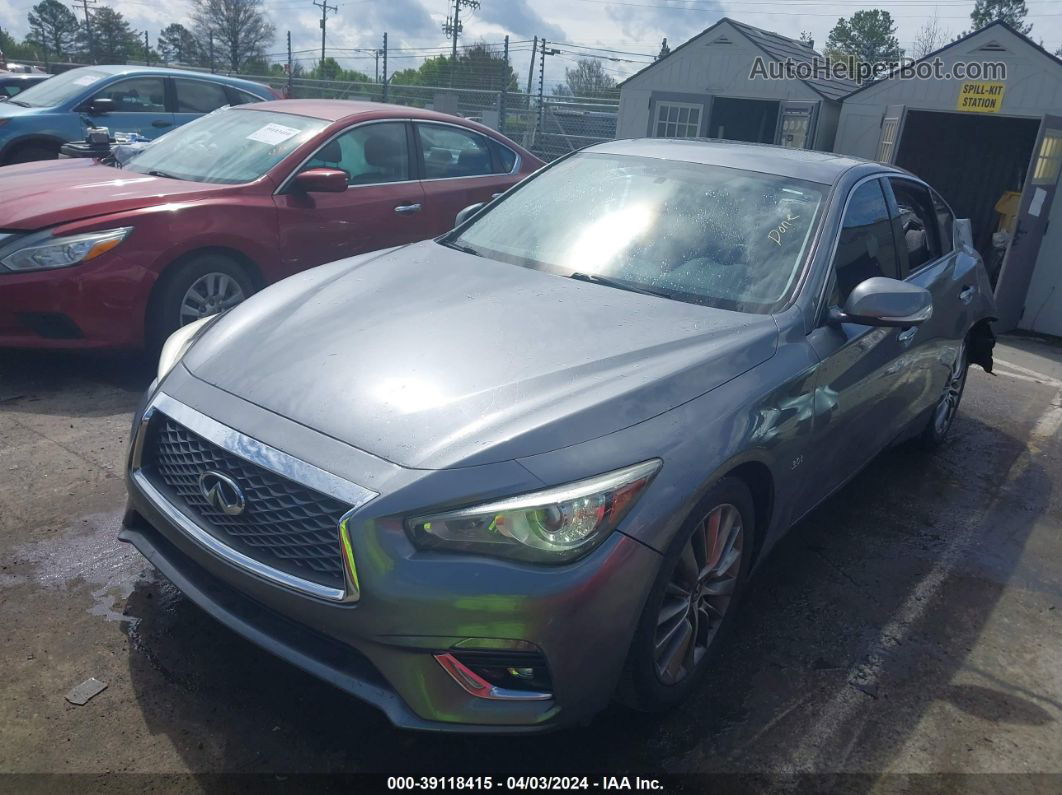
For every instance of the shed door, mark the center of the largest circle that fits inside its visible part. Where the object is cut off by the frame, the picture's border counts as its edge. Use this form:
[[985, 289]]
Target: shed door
[[891, 130], [1036, 198], [796, 125]]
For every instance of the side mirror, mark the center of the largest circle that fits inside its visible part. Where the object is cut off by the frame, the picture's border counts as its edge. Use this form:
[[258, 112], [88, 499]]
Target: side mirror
[[321, 180], [101, 106], [468, 212], [880, 301]]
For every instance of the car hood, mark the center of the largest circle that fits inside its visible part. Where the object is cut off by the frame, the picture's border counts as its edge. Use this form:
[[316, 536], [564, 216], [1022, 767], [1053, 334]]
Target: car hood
[[50, 192], [9, 110], [431, 358]]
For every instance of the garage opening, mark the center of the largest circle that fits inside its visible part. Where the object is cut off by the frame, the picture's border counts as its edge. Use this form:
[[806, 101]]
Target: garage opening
[[751, 120], [972, 159]]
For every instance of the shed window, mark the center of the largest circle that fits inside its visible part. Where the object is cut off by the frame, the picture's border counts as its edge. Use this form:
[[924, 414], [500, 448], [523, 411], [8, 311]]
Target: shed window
[[678, 120]]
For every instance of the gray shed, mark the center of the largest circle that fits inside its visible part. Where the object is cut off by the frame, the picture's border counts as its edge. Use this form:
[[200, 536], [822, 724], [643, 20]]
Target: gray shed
[[705, 88], [980, 142]]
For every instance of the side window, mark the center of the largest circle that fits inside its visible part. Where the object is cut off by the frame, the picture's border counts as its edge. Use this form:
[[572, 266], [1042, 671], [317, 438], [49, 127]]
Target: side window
[[199, 96], [136, 95], [237, 97], [371, 154], [946, 222], [452, 152], [866, 247], [505, 157], [918, 223]]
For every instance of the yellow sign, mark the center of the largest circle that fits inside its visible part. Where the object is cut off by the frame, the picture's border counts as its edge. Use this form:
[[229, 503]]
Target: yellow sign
[[976, 97]]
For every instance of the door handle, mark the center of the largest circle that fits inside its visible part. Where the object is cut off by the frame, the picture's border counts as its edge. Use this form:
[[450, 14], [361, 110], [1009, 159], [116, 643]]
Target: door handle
[[907, 335], [408, 209], [161, 123], [966, 294]]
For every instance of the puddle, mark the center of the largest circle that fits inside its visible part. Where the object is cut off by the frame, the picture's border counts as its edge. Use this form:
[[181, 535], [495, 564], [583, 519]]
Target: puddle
[[86, 552]]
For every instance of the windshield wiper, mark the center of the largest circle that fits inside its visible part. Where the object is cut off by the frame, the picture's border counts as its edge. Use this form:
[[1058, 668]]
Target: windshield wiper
[[461, 247], [20, 103], [156, 173], [593, 278]]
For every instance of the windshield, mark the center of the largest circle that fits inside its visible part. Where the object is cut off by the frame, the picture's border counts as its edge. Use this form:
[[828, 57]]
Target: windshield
[[228, 147], [705, 234], [57, 90]]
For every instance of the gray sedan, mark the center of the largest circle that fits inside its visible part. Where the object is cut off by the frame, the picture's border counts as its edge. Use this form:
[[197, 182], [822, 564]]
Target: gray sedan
[[490, 482]]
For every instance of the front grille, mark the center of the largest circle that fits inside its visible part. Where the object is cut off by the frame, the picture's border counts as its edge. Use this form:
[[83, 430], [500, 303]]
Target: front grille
[[284, 525]]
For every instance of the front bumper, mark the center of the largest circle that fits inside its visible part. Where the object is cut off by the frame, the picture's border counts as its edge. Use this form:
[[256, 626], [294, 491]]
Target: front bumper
[[413, 606], [97, 305]]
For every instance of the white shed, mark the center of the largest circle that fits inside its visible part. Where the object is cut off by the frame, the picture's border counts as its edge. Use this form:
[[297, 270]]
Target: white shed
[[979, 142], [706, 88]]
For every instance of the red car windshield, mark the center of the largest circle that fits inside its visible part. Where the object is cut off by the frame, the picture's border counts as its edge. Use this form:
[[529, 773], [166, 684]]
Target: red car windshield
[[228, 147]]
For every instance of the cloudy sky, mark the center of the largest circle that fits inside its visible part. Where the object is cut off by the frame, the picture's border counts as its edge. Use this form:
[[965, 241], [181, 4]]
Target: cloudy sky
[[631, 26]]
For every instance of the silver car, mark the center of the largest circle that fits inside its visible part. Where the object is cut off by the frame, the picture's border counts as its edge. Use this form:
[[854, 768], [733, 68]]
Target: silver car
[[491, 481]]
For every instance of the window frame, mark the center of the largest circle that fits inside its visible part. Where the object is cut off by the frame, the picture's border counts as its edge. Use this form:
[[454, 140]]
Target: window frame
[[826, 290], [176, 98], [669, 103], [414, 171], [901, 244], [495, 161]]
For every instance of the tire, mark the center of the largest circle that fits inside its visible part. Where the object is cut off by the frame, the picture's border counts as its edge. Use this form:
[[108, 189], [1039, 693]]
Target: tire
[[943, 416], [217, 282], [28, 153], [654, 681]]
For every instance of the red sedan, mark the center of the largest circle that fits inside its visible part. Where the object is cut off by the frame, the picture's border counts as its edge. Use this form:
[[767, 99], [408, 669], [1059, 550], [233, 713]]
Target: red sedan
[[92, 256]]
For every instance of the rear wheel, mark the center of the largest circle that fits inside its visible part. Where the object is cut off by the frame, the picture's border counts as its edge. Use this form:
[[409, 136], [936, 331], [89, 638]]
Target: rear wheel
[[203, 286], [943, 416], [691, 606]]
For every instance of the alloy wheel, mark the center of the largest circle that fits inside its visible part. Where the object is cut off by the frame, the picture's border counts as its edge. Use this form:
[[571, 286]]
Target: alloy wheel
[[698, 594], [209, 294], [949, 401]]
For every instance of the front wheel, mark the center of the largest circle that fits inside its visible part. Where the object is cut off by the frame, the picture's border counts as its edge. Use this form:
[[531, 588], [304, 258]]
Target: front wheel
[[203, 286], [943, 417], [691, 605]]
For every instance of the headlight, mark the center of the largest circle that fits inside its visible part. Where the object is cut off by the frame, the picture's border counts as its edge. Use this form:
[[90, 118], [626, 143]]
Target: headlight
[[179, 342], [62, 252], [552, 526]]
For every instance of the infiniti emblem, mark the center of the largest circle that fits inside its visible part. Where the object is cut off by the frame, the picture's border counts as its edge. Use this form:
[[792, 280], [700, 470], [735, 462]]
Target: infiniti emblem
[[222, 493]]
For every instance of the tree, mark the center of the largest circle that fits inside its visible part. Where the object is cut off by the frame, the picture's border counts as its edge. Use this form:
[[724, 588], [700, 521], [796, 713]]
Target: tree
[[930, 38], [329, 69], [866, 37], [807, 40], [54, 28], [478, 66], [178, 45], [1010, 11], [13, 50], [240, 28], [114, 41], [587, 79]]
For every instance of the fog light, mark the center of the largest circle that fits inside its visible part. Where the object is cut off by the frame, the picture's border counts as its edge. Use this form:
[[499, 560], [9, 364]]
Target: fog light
[[500, 677]]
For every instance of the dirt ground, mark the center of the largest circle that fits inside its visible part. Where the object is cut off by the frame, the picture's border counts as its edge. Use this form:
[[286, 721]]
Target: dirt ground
[[913, 624]]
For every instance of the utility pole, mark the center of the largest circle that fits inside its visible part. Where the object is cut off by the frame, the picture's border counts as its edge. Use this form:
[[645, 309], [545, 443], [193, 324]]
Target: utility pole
[[88, 28], [147, 49], [291, 68], [504, 90], [385, 86], [452, 24], [325, 8], [542, 84]]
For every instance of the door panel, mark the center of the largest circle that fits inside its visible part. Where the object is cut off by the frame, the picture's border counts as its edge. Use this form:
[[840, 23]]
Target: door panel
[[859, 395], [382, 207], [797, 123], [458, 170], [891, 130], [139, 106], [1036, 199]]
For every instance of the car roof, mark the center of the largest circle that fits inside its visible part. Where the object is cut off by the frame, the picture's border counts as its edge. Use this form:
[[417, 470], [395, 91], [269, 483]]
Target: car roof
[[822, 167], [121, 69], [334, 110]]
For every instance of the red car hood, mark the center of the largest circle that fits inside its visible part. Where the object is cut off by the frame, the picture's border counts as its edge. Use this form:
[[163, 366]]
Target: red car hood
[[46, 193]]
